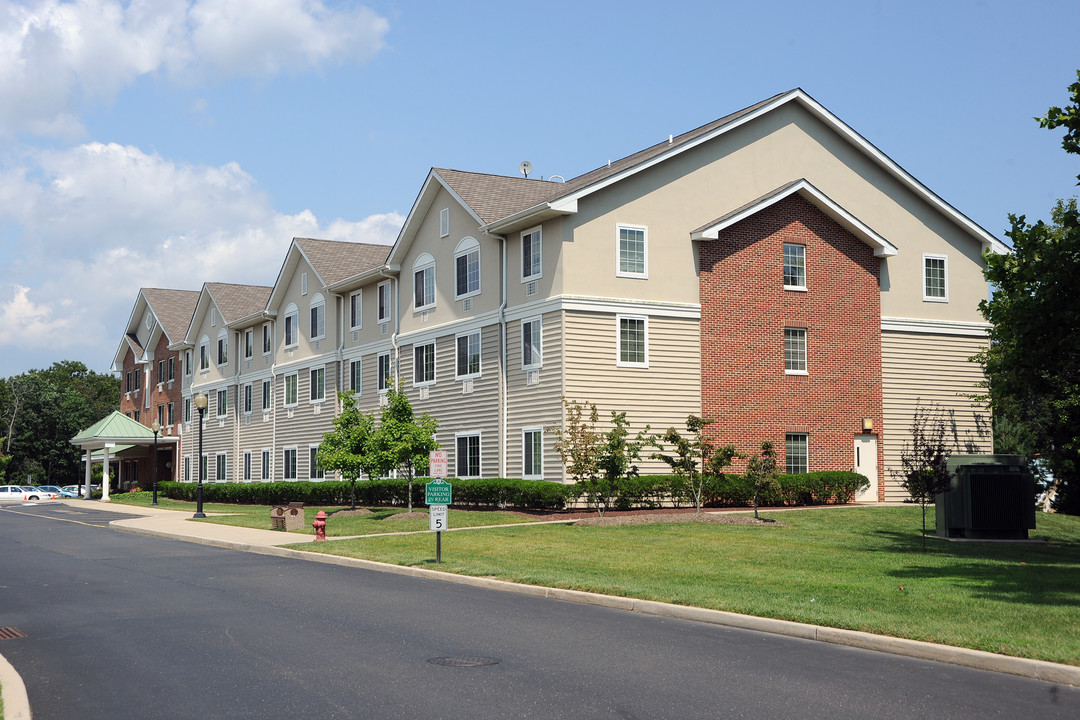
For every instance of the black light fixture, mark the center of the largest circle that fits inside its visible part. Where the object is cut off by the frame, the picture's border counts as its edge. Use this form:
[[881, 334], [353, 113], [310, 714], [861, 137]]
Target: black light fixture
[[156, 427], [200, 403]]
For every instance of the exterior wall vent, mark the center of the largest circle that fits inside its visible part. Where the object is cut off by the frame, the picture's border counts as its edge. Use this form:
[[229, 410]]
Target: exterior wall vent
[[384, 328], [530, 288], [466, 387], [468, 304], [533, 377], [425, 392]]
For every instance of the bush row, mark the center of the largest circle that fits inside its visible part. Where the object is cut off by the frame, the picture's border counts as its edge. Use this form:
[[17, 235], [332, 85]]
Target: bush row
[[645, 491]]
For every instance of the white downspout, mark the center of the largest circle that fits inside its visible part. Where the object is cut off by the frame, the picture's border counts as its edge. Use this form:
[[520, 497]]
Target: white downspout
[[395, 312], [503, 399]]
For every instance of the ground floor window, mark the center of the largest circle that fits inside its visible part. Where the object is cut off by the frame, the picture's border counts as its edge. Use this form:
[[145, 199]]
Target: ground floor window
[[247, 464], [265, 464], [532, 453], [220, 474], [468, 456], [797, 453], [289, 469], [314, 471]]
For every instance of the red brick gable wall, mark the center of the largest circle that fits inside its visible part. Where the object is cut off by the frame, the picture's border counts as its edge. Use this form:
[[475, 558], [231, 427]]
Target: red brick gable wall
[[744, 310]]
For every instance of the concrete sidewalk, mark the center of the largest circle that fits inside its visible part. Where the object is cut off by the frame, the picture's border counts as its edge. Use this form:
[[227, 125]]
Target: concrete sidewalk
[[180, 526]]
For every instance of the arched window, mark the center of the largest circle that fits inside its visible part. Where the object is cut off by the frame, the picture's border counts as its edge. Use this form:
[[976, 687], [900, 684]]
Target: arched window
[[467, 268]]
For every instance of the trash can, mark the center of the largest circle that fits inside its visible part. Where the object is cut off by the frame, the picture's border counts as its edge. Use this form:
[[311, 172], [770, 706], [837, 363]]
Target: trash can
[[287, 517]]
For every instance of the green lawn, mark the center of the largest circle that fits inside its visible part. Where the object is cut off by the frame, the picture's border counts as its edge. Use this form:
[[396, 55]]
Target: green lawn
[[857, 568]]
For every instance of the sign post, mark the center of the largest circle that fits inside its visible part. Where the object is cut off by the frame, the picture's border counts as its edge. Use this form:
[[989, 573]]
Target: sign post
[[437, 496]]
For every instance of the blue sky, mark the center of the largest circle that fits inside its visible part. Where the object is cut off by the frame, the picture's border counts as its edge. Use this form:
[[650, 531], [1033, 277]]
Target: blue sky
[[165, 143]]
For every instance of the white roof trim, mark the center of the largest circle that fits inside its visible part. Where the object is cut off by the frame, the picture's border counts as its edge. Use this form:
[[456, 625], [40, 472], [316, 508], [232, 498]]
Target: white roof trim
[[418, 212], [934, 327], [882, 247]]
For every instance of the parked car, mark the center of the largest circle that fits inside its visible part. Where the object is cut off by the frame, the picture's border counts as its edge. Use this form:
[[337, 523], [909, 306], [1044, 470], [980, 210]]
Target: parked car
[[58, 491], [72, 490], [12, 493], [36, 493]]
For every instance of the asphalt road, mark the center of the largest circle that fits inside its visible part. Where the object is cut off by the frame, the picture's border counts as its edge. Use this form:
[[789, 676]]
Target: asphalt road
[[128, 626]]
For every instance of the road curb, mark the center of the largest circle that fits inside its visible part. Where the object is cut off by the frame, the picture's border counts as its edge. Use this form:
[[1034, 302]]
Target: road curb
[[13, 693], [978, 659]]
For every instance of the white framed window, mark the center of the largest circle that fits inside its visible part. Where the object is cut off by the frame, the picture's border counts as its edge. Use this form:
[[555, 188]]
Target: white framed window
[[467, 268], [424, 364], [172, 413], [935, 278], [356, 308], [221, 467], [204, 467], [138, 381], [303, 283], [794, 266], [383, 298], [795, 351], [356, 376], [290, 390], [267, 338], [468, 355], [424, 283], [187, 410], [318, 385], [532, 453], [172, 369], [249, 343], [266, 469], [318, 317], [797, 453], [187, 363], [160, 371], [204, 353], [213, 317], [247, 398], [633, 251], [314, 471], [467, 460], [223, 402], [531, 255], [288, 460], [267, 396], [385, 372], [292, 321], [187, 468], [161, 414], [531, 343], [247, 466], [444, 222], [223, 347], [633, 341], [127, 381]]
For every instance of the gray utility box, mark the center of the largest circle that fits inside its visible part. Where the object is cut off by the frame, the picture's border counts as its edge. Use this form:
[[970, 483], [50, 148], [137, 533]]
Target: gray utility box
[[287, 517], [992, 497]]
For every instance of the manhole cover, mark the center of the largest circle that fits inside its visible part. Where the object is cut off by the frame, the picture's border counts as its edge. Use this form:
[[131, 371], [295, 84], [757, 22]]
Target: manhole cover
[[10, 633], [464, 661]]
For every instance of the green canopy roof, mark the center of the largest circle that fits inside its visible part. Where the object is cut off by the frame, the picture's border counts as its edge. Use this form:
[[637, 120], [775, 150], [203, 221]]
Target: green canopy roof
[[115, 429]]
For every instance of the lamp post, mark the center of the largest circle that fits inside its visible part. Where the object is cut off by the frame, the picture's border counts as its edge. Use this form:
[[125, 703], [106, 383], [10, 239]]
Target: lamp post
[[156, 427], [200, 403]]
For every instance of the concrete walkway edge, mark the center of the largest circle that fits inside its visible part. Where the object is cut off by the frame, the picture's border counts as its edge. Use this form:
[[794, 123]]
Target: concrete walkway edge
[[978, 659], [13, 693]]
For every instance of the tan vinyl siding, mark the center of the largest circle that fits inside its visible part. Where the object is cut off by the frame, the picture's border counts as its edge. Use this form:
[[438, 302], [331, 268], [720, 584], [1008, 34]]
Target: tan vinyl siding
[[929, 368], [661, 395], [309, 420], [538, 405]]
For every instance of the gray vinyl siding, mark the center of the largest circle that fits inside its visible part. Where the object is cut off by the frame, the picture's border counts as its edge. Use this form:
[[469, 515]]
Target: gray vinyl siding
[[456, 411], [931, 369], [308, 421], [660, 396], [538, 405]]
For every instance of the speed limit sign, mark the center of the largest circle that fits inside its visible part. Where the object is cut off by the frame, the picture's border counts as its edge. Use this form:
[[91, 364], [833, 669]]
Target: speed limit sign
[[438, 516]]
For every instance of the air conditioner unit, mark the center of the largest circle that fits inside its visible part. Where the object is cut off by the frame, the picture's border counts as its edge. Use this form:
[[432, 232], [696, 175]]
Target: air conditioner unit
[[991, 497]]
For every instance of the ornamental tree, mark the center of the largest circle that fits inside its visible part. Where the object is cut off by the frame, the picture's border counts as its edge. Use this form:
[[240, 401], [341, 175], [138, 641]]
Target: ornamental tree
[[347, 449]]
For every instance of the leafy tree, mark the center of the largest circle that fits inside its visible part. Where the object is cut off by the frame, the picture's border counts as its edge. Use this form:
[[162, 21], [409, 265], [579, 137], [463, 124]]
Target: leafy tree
[[347, 449], [403, 441], [694, 456], [578, 445], [761, 473], [923, 460], [1033, 360], [617, 456]]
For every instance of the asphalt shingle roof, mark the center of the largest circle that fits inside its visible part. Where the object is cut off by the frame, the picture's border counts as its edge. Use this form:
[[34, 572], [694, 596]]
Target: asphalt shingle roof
[[336, 260], [238, 301], [173, 309]]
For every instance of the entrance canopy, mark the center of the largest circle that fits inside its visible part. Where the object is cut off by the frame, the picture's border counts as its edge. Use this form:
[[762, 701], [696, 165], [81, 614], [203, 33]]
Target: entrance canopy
[[109, 435]]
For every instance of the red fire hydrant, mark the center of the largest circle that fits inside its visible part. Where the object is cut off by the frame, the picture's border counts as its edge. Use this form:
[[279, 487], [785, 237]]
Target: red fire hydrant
[[320, 525]]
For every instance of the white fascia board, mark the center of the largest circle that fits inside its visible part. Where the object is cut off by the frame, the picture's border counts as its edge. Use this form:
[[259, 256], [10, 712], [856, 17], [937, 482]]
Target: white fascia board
[[200, 310], [288, 264], [322, 283], [360, 279], [882, 247], [934, 327], [558, 207], [622, 306], [418, 212]]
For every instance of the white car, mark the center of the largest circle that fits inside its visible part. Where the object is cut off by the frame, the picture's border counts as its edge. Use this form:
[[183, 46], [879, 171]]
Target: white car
[[12, 493], [36, 493]]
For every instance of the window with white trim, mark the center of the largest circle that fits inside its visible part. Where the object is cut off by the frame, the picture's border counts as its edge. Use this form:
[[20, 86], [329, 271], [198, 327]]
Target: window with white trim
[[424, 283], [383, 297], [247, 398], [249, 343], [187, 362], [172, 369], [633, 341], [289, 463], [424, 364], [318, 385], [292, 321], [468, 355], [532, 453], [223, 347], [247, 466], [633, 251], [797, 453], [794, 266], [356, 376], [531, 255], [187, 410], [160, 371], [221, 467], [127, 381], [467, 268], [266, 469], [267, 338], [213, 317], [172, 413], [204, 353], [187, 468], [303, 283], [223, 402], [318, 317], [356, 307], [468, 455], [444, 222], [161, 414], [290, 390], [204, 467], [267, 396], [531, 343], [935, 278], [795, 351], [385, 372], [314, 471]]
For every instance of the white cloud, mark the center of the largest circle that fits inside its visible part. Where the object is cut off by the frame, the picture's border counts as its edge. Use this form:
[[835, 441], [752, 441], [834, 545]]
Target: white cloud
[[55, 55], [99, 221]]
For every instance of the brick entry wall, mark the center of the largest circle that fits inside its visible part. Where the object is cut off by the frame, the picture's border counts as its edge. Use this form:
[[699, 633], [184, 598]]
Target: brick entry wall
[[744, 310]]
